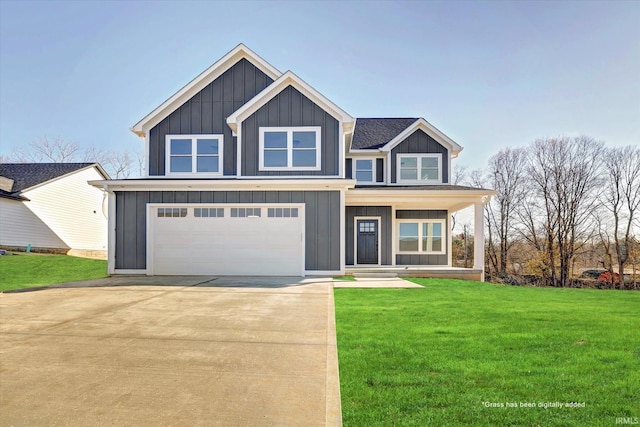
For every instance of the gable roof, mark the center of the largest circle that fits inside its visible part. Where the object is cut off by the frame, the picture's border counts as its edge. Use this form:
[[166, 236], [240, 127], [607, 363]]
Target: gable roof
[[202, 80], [285, 80], [371, 134], [28, 175], [429, 129]]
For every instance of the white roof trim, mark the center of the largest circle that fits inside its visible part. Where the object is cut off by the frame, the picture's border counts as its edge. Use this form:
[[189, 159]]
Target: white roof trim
[[163, 184], [202, 80], [285, 80], [430, 130], [452, 200]]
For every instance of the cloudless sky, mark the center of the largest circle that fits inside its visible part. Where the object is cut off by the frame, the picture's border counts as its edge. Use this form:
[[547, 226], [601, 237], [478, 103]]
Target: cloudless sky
[[489, 74]]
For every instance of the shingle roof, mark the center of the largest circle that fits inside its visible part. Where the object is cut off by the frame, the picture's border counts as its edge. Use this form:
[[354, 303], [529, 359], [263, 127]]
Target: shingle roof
[[27, 175], [375, 133]]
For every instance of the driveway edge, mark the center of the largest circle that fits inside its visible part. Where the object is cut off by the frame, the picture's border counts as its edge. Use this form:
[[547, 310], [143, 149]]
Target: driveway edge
[[334, 408]]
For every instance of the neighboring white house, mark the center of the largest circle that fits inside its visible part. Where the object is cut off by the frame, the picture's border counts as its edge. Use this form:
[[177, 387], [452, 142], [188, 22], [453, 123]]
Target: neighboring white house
[[50, 207]]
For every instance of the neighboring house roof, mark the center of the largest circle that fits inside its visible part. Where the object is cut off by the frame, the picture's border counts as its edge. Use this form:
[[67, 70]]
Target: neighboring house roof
[[202, 80], [28, 175], [370, 134], [12, 196], [285, 80]]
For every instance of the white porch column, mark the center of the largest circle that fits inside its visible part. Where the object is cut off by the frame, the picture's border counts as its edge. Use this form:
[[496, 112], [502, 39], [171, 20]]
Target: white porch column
[[478, 237], [111, 232]]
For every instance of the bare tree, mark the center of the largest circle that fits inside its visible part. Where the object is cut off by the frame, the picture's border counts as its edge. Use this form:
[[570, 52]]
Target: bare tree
[[621, 198], [118, 164], [44, 149], [564, 177], [506, 176], [458, 177], [602, 228], [141, 163], [479, 179]]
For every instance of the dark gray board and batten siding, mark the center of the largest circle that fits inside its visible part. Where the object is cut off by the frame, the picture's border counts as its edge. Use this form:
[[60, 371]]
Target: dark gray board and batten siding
[[290, 108], [425, 259], [384, 212], [420, 143], [322, 221], [206, 113]]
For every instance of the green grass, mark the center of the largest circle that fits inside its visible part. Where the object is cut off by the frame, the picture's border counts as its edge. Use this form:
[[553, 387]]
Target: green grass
[[432, 356], [26, 270]]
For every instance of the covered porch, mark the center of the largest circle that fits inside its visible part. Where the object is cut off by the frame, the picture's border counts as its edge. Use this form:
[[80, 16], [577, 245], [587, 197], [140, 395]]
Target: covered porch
[[392, 206]]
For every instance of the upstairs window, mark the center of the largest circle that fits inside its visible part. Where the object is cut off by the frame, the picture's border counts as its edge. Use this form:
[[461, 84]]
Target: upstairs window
[[290, 148], [365, 170], [194, 154], [419, 168]]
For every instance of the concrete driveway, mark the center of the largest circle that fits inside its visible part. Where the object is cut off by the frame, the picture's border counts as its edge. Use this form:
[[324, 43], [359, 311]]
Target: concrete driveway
[[195, 351]]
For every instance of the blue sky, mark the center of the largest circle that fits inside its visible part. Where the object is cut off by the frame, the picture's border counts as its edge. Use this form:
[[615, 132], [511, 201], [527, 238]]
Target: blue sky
[[488, 74]]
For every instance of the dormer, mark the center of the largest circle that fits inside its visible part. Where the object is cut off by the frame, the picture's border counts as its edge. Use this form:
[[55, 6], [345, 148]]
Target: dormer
[[400, 151]]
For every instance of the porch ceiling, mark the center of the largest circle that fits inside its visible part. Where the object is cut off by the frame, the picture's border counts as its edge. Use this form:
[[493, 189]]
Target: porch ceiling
[[441, 197]]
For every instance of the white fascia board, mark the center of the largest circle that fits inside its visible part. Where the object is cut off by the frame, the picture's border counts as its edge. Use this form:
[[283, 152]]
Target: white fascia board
[[418, 199], [225, 185], [430, 130], [202, 80], [285, 80], [370, 154], [348, 146]]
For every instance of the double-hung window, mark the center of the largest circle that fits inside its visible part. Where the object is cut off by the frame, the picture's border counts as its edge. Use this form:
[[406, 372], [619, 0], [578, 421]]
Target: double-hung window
[[419, 168], [421, 237], [364, 170], [194, 154], [290, 148]]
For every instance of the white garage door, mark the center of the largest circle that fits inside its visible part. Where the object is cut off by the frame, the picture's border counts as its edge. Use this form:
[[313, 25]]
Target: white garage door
[[227, 240]]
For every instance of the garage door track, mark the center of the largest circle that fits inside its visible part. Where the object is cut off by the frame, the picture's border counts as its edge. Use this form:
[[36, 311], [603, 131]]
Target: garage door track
[[205, 351]]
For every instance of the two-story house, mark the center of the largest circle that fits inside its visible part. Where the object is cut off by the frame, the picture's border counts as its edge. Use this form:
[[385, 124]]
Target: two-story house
[[251, 171]]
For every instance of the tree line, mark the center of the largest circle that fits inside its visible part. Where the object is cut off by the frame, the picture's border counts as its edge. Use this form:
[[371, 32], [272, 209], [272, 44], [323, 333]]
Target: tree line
[[118, 164], [556, 197]]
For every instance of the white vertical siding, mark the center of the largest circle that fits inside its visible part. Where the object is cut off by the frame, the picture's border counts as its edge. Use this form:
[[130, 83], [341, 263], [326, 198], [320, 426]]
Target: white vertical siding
[[20, 227], [73, 209]]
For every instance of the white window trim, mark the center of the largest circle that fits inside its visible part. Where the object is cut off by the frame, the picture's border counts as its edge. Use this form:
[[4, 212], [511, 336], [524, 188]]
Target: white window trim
[[289, 131], [355, 239], [194, 155], [354, 169], [401, 156], [420, 222]]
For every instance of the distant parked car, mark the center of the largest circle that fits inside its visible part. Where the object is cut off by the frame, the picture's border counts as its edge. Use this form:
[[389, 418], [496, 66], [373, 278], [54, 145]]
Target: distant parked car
[[591, 274], [609, 277]]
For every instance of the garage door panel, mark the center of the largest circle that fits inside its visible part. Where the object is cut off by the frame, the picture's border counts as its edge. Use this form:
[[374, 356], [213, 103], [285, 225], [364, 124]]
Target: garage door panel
[[228, 245]]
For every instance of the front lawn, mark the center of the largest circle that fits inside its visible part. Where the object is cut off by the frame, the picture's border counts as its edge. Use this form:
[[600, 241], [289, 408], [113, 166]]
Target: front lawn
[[461, 353], [26, 270]]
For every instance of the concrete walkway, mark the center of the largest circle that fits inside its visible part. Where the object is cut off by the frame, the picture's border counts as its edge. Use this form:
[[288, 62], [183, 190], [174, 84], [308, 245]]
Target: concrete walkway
[[194, 351], [375, 282]]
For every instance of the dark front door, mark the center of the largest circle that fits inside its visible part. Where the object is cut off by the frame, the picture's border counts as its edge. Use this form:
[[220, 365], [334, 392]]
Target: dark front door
[[367, 241]]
